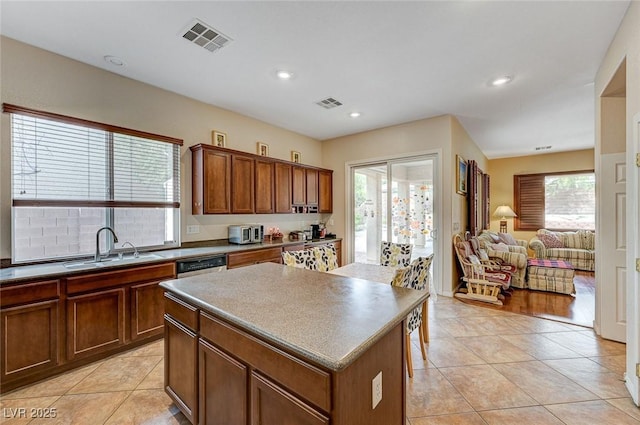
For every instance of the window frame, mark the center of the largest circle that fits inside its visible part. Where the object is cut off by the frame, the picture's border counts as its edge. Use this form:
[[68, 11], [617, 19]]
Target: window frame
[[108, 205], [531, 210]]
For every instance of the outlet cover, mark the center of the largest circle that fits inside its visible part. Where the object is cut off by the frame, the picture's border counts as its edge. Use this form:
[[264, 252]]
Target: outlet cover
[[193, 229], [376, 390]]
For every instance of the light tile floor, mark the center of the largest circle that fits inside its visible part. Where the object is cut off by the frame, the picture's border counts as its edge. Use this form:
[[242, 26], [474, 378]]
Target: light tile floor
[[484, 366]]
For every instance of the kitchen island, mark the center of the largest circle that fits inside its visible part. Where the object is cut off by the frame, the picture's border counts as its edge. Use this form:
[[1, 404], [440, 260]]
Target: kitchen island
[[270, 344]]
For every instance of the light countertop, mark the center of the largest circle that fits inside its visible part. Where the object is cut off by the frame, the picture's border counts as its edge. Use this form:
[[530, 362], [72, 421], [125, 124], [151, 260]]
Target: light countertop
[[57, 270], [325, 318]]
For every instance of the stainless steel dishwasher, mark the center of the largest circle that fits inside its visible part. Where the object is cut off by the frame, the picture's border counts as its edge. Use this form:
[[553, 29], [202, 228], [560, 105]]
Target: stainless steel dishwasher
[[201, 265]]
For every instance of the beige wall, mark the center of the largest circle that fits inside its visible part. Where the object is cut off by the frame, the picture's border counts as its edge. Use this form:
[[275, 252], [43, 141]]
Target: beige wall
[[502, 172], [38, 79], [443, 135]]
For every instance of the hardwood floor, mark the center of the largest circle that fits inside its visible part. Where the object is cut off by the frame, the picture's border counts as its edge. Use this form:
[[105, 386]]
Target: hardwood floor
[[578, 310]]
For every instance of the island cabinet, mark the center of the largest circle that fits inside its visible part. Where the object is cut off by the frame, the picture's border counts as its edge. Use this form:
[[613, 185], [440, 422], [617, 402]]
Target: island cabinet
[[31, 335], [246, 348]]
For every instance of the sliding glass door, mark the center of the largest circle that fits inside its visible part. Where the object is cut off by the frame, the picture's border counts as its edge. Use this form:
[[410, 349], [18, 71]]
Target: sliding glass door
[[393, 201]]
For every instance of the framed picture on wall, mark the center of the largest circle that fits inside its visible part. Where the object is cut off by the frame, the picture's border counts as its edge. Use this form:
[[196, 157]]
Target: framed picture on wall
[[461, 175], [219, 139], [295, 156], [263, 149]]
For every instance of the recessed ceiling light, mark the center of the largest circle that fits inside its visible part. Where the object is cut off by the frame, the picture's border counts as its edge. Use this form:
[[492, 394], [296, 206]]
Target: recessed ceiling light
[[501, 81], [284, 75], [354, 114], [114, 60]]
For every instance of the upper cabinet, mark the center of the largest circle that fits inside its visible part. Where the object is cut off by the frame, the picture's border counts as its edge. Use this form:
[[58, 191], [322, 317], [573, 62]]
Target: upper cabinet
[[226, 181], [325, 191]]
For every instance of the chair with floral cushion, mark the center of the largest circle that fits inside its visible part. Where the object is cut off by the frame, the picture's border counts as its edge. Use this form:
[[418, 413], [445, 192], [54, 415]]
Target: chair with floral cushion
[[395, 254], [421, 280], [403, 279], [326, 257], [302, 259], [481, 282]]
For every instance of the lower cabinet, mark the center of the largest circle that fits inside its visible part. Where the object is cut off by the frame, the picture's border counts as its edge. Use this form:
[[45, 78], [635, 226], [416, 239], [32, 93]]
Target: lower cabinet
[[272, 404], [180, 371], [95, 322], [30, 339], [227, 403], [147, 309], [264, 255]]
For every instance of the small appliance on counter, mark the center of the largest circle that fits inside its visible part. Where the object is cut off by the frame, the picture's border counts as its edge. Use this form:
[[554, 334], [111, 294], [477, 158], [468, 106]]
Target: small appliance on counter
[[318, 231], [246, 233], [297, 235]]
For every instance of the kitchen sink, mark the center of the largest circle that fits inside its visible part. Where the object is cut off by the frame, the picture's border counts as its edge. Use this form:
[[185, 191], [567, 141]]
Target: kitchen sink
[[91, 264]]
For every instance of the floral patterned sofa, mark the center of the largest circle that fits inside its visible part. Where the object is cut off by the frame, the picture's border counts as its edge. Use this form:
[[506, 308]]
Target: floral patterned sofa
[[514, 252], [577, 247]]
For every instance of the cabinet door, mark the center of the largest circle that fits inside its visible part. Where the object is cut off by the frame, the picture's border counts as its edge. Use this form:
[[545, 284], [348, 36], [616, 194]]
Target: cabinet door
[[217, 182], [283, 188], [299, 182], [95, 322], [29, 339], [325, 191], [242, 185], [271, 404], [312, 187], [266, 255], [181, 367], [147, 310], [264, 187], [222, 387]]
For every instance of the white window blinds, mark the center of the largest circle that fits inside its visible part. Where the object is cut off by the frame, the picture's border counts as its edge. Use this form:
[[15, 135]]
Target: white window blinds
[[63, 161]]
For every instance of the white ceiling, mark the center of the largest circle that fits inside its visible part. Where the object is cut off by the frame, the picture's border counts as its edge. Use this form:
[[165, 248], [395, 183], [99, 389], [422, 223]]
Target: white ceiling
[[392, 61]]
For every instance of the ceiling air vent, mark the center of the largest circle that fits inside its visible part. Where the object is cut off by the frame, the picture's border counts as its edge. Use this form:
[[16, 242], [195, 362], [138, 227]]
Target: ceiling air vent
[[205, 36], [329, 103], [543, 148]]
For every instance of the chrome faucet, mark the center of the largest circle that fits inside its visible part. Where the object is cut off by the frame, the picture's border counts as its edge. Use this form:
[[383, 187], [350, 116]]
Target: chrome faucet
[[135, 250], [115, 240]]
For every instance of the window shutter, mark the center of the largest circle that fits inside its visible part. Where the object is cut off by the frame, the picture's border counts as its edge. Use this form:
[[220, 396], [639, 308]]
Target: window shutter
[[529, 202]]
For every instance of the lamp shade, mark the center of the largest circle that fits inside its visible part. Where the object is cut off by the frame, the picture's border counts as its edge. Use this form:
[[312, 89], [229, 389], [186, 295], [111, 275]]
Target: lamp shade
[[504, 211]]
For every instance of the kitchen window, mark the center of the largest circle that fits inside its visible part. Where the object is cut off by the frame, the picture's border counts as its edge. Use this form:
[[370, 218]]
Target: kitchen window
[[555, 201], [71, 176]]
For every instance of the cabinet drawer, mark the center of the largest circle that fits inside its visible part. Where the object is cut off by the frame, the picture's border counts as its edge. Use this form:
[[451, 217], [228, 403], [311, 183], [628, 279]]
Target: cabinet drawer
[[181, 311], [121, 277], [305, 380], [239, 259], [29, 292]]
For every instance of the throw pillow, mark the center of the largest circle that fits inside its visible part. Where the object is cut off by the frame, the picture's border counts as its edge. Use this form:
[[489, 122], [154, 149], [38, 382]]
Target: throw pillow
[[550, 240], [500, 247], [508, 239], [483, 255]]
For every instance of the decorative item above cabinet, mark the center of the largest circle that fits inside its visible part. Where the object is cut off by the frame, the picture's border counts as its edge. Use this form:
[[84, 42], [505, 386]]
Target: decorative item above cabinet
[[226, 181]]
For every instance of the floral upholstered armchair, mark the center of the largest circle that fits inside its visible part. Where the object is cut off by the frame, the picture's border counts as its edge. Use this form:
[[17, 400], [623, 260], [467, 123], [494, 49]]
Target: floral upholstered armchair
[[514, 253]]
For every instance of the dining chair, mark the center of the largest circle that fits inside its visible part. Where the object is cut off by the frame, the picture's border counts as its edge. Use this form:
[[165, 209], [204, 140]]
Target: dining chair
[[326, 257], [421, 280], [395, 254], [302, 259], [403, 279]]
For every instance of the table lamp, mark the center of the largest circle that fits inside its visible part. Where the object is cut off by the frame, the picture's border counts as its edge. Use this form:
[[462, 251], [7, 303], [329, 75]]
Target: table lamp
[[504, 212]]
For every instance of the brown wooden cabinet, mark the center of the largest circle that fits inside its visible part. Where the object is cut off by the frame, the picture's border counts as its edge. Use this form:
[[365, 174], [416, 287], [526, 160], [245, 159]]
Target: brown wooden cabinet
[[95, 322], [272, 404], [282, 188], [225, 181], [311, 176], [222, 387], [265, 181], [325, 191], [211, 181], [242, 184], [181, 363], [264, 255], [53, 325], [298, 187]]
